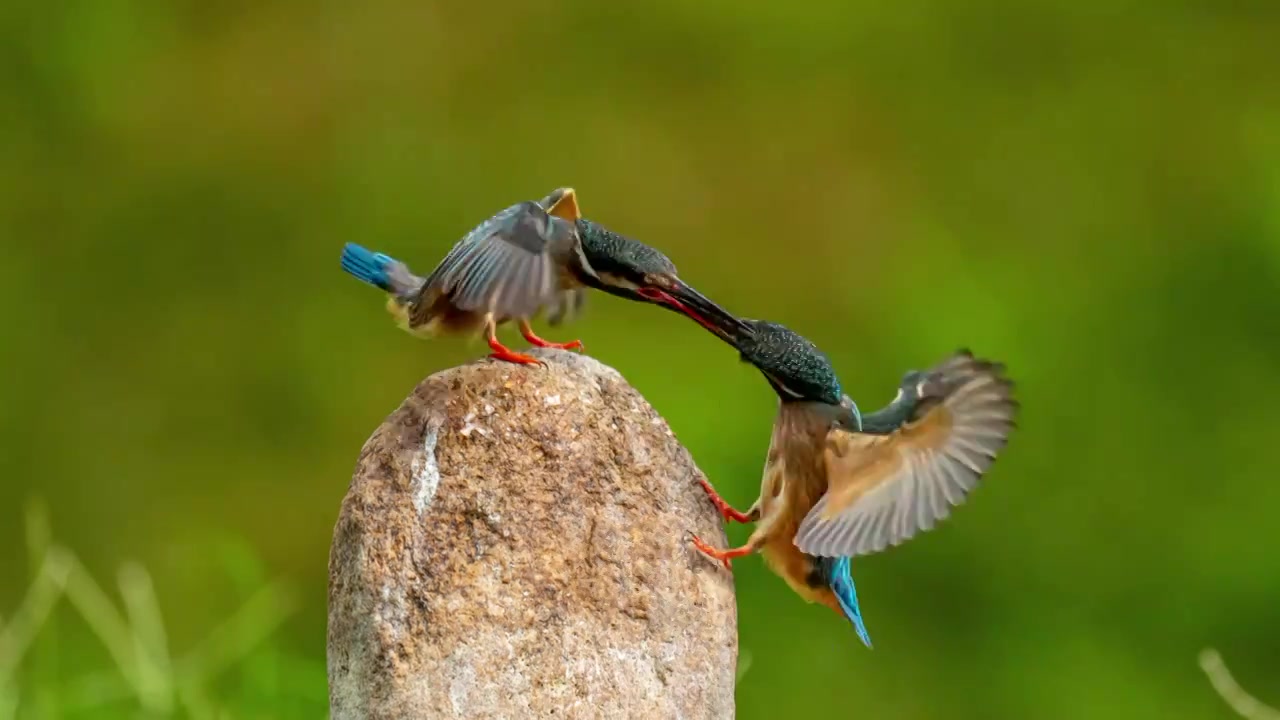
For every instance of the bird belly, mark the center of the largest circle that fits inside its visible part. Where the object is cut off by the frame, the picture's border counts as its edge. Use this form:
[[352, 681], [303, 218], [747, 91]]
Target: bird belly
[[785, 559], [439, 317], [779, 551], [794, 479]]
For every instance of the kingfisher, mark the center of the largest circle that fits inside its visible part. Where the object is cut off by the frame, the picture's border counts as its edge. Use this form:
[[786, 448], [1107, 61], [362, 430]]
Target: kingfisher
[[838, 484], [531, 256]]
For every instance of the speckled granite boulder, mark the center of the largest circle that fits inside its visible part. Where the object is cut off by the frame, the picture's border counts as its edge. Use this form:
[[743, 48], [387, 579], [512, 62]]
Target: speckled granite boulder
[[513, 545]]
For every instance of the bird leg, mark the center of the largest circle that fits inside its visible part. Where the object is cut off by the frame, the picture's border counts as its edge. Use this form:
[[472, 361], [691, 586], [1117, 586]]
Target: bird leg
[[527, 331], [502, 352], [727, 511], [755, 542], [724, 556]]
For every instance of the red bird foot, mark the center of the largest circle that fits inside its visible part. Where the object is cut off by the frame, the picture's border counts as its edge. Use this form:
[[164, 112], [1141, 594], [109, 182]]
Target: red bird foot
[[535, 340], [727, 511], [506, 354], [724, 556]]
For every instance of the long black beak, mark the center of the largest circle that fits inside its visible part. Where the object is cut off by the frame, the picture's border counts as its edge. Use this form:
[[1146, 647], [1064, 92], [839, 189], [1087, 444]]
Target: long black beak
[[684, 299]]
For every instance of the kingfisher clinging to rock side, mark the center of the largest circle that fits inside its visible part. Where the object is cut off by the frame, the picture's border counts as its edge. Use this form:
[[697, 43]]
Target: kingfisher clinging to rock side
[[529, 257], [838, 484]]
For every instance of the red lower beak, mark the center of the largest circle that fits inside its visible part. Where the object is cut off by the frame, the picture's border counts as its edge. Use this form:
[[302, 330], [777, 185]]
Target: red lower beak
[[666, 298]]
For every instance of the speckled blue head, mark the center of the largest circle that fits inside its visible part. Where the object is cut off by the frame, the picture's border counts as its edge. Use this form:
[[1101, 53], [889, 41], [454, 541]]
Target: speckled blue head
[[794, 366]]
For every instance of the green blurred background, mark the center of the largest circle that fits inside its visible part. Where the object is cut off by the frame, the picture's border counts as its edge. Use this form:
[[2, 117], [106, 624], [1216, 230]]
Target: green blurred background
[[1089, 191]]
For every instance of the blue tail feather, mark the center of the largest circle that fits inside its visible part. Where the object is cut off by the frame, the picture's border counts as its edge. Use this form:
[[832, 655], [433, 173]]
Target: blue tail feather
[[840, 579], [367, 265]]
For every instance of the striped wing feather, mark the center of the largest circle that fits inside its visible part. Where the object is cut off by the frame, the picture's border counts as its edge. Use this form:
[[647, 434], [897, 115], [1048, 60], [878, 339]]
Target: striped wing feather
[[884, 489], [504, 266]]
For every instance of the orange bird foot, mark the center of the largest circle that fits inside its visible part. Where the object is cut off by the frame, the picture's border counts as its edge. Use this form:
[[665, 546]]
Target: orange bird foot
[[506, 354], [575, 345], [535, 340], [727, 511], [724, 556]]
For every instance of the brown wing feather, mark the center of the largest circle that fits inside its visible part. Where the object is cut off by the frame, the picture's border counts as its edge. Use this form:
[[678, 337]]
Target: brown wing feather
[[884, 489]]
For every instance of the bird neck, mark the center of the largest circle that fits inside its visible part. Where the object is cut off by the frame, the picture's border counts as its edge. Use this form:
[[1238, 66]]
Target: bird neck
[[800, 421]]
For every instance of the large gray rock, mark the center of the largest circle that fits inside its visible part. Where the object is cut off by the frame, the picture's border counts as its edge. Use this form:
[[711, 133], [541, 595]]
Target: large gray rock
[[513, 545]]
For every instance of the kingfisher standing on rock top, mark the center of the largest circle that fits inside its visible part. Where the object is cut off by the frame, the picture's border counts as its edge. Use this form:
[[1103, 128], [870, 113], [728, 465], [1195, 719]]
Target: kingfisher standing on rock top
[[529, 257], [838, 484]]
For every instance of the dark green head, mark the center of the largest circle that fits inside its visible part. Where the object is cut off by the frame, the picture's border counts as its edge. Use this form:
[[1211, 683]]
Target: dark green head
[[630, 269], [617, 261], [625, 262], [795, 367]]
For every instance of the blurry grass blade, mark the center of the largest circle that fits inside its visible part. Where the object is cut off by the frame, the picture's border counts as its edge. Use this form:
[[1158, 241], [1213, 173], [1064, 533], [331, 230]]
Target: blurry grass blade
[[151, 647], [136, 639], [31, 615], [1245, 705], [102, 618], [241, 633], [43, 656]]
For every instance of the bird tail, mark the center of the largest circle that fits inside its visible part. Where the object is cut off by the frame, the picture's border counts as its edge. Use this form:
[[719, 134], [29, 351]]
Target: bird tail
[[379, 270], [840, 580]]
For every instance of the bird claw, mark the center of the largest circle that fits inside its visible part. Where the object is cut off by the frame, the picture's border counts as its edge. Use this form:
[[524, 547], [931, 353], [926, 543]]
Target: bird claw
[[575, 345], [506, 354], [727, 511], [721, 555], [533, 339], [517, 358]]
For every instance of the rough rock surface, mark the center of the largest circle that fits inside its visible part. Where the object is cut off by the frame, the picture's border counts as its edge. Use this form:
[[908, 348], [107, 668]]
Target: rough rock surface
[[514, 545]]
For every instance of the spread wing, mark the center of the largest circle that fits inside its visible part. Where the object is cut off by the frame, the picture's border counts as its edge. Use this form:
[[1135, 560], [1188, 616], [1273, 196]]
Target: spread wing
[[508, 265], [883, 489]]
